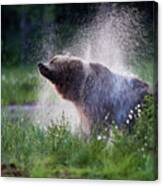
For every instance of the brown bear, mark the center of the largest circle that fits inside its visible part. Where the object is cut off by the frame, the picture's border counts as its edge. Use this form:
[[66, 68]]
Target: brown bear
[[99, 95]]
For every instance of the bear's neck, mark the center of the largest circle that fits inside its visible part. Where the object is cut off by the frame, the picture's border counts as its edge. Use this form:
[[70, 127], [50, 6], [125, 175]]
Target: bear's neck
[[72, 89]]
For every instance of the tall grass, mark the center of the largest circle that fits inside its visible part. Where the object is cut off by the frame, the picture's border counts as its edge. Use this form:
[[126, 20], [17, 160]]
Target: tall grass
[[56, 152]]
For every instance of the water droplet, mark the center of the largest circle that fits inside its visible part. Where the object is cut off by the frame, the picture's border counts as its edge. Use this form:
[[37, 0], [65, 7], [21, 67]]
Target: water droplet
[[99, 137]]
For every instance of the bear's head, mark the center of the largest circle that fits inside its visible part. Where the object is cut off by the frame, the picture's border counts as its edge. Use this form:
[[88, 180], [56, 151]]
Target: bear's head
[[66, 73]]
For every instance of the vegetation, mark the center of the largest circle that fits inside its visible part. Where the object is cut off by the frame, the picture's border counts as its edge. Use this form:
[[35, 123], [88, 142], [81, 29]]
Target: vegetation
[[56, 152], [150, 75], [19, 85]]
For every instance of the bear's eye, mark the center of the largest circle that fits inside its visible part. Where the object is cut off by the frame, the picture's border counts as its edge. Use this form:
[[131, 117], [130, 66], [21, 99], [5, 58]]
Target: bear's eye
[[51, 62]]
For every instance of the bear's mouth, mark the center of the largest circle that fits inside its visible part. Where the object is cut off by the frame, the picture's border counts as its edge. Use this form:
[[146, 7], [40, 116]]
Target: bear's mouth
[[43, 69]]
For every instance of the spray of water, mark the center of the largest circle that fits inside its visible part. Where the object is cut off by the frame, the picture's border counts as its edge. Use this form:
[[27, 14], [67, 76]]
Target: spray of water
[[111, 39]]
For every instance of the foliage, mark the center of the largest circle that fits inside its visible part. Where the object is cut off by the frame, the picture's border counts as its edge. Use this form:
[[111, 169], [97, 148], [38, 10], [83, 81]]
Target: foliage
[[19, 85], [25, 28], [150, 69], [56, 152]]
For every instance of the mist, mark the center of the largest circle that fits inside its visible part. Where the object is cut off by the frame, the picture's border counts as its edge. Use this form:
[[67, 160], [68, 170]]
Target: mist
[[113, 38]]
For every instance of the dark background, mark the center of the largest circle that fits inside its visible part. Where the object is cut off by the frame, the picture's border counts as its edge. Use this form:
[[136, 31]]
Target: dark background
[[23, 27]]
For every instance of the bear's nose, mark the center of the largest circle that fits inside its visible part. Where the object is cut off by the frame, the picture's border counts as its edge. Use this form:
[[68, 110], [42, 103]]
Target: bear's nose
[[40, 65]]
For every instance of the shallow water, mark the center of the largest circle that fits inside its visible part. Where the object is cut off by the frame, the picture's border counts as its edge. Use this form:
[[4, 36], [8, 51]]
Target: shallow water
[[39, 114]]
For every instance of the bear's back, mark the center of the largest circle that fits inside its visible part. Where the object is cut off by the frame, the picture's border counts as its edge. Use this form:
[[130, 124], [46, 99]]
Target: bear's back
[[111, 94]]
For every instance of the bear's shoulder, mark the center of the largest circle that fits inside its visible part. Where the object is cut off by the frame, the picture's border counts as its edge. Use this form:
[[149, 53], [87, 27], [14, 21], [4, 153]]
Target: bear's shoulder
[[99, 68]]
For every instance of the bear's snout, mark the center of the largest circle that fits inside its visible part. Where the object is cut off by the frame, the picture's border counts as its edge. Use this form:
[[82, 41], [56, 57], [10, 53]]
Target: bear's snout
[[40, 65], [44, 70]]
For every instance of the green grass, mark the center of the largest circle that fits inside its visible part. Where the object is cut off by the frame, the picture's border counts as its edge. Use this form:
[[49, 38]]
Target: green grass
[[145, 71], [19, 84], [56, 152]]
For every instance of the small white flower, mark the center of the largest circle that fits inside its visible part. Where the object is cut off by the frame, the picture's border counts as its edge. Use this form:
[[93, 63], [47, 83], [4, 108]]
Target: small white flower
[[145, 137], [44, 128], [107, 115], [145, 144], [131, 111], [99, 137], [130, 116], [127, 121], [139, 110], [138, 105], [142, 149], [138, 132], [104, 137], [139, 115], [22, 119], [136, 108]]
